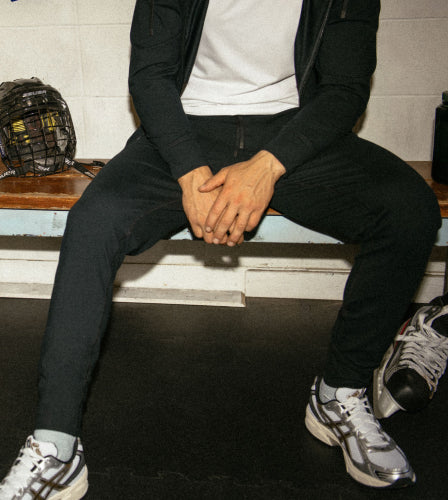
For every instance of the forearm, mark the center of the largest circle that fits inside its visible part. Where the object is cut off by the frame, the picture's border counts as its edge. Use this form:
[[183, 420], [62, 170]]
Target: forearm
[[163, 119], [154, 83], [328, 117]]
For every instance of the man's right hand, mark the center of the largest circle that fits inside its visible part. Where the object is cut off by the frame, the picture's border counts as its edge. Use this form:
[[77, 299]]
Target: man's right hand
[[197, 205]]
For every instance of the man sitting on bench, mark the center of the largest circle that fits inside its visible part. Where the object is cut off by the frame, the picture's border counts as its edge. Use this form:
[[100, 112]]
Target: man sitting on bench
[[243, 104]]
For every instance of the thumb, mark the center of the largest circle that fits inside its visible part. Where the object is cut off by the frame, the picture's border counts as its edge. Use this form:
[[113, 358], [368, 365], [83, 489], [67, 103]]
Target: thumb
[[214, 182]]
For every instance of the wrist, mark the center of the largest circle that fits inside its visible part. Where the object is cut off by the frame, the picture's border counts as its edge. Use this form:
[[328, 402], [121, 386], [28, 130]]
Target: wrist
[[274, 164]]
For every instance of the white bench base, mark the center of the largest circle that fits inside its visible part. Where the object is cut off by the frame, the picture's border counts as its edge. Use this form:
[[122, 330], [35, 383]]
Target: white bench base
[[273, 228], [273, 277]]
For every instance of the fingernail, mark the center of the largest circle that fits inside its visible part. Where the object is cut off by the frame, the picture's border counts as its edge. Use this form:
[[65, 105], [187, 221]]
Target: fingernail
[[231, 244], [208, 229], [216, 241]]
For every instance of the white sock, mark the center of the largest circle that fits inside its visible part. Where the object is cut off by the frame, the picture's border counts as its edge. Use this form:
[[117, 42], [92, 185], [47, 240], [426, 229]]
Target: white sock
[[63, 442], [326, 392]]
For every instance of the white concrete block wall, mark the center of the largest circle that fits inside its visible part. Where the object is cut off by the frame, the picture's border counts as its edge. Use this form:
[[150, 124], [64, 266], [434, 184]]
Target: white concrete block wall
[[82, 48], [411, 75]]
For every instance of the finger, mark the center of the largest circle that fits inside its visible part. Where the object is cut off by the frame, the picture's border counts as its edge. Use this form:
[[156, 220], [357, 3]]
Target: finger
[[253, 221], [215, 214], [197, 230], [208, 237], [232, 227], [214, 182], [224, 224], [239, 227]]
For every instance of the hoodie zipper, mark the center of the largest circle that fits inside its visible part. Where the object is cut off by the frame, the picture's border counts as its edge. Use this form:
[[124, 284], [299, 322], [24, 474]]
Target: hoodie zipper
[[315, 49]]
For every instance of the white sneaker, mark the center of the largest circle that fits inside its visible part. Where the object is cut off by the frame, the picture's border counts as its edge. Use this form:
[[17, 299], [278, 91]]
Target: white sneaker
[[371, 456], [38, 475]]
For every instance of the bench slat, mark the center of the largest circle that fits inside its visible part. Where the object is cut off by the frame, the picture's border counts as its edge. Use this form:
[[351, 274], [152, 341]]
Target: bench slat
[[61, 191], [53, 192]]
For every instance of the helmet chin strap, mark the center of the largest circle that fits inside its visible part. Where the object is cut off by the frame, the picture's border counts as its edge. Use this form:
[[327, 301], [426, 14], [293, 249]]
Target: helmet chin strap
[[9, 173], [81, 167]]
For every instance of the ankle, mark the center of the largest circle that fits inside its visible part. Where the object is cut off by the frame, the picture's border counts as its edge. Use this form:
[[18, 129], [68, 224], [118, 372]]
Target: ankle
[[329, 393], [326, 392], [65, 443]]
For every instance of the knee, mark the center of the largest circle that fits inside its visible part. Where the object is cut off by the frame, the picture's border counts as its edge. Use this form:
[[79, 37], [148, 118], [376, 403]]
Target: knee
[[93, 217], [424, 213], [417, 220], [87, 210]]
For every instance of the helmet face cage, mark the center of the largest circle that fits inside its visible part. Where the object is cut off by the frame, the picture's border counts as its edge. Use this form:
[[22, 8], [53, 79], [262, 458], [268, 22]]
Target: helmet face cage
[[36, 130]]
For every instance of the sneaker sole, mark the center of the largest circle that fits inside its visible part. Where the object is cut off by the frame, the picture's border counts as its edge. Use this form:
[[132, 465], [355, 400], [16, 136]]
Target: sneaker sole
[[321, 432], [384, 405], [75, 492]]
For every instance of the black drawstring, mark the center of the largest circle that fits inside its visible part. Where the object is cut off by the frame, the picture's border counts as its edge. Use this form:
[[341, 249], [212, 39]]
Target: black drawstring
[[151, 17], [239, 145]]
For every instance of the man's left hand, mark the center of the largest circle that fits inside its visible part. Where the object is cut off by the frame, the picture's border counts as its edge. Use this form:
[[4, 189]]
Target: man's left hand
[[247, 189]]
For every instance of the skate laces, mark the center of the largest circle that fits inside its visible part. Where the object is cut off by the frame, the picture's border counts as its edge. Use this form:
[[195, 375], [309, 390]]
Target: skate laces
[[26, 467], [358, 411], [424, 350]]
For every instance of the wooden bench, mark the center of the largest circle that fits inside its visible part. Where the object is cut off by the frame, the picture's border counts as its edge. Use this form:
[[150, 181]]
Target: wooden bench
[[38, 206]]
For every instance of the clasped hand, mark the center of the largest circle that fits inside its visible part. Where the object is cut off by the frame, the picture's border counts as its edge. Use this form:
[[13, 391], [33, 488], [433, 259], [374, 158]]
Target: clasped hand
[[221, 207]]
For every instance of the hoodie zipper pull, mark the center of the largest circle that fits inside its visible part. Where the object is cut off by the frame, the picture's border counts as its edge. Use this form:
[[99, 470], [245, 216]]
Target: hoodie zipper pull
[[344, 9], [151, 17]]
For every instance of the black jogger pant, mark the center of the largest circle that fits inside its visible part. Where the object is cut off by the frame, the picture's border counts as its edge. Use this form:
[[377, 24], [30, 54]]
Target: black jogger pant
[[354, 191]]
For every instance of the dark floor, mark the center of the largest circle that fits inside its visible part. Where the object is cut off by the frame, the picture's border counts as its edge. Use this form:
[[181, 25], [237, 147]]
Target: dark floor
[[207, 403]]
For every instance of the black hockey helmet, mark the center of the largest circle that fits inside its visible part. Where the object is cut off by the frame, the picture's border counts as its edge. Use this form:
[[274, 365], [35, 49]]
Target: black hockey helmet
[[37, 136]]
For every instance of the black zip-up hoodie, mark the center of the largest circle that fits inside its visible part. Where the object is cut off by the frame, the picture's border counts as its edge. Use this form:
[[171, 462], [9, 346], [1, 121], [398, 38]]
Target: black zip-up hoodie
[[335, 57]]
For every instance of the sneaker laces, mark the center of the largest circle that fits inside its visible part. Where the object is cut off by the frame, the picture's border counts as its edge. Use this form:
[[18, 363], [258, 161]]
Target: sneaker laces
[[26, 467], [425, 351], [359, 412]]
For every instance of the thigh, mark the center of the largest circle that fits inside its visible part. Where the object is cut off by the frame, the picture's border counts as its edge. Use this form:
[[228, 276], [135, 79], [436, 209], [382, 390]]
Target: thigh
[[135, 196], [345, 189]]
